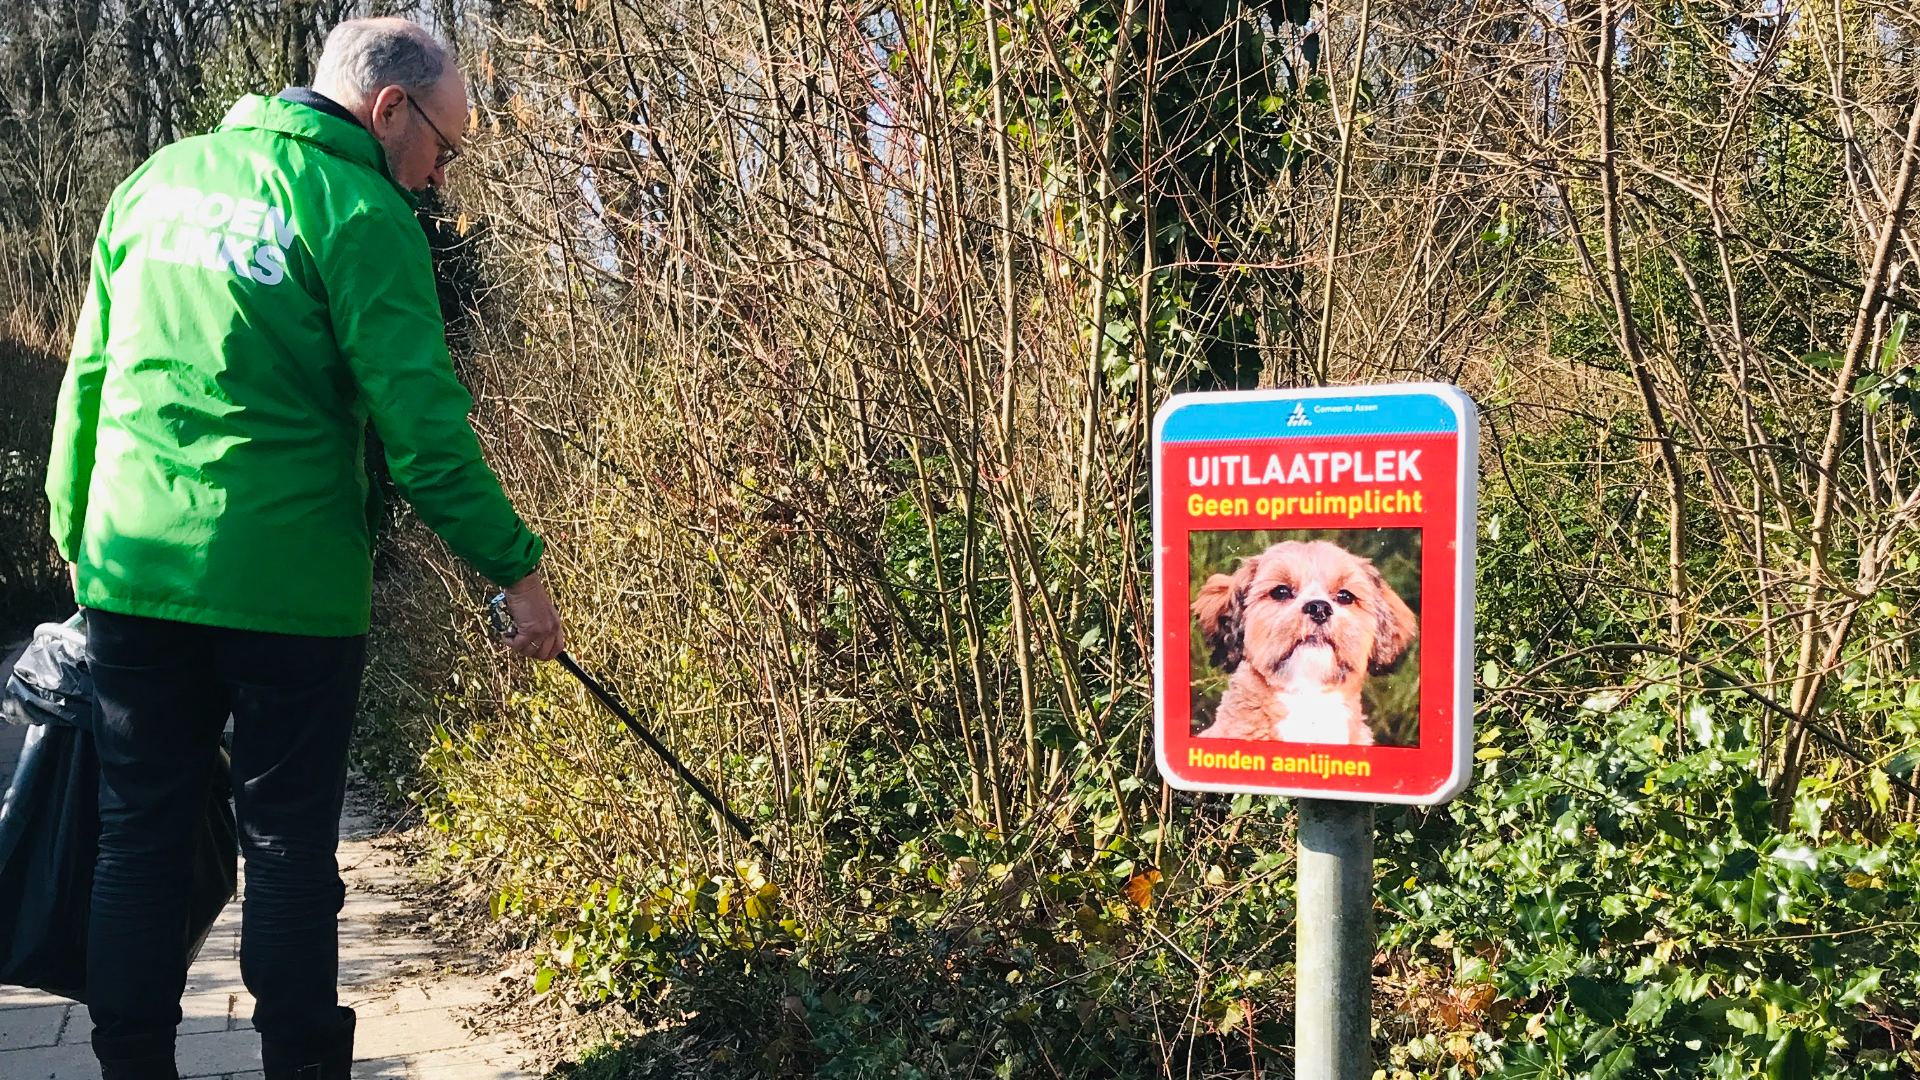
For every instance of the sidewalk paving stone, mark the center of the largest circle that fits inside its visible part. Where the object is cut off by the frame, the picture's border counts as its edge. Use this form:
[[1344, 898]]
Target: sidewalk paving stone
[[19, 997], [78, 1028], [490, 1052], [407, 1034], [425, 1071], [68, 1062], [416, 997], [217, 1053], [24, 1028]]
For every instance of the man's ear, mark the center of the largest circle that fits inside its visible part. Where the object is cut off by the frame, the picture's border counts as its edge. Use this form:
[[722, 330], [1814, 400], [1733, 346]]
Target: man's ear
[[1396, 627], [1221, 611], [385, 111]]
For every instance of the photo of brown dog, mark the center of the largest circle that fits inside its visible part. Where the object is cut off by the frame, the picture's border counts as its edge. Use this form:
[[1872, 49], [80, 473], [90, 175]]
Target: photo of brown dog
[[1298, 628]]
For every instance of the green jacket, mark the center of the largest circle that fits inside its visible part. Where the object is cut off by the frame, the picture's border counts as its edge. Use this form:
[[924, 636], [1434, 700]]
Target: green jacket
[[259, 294]]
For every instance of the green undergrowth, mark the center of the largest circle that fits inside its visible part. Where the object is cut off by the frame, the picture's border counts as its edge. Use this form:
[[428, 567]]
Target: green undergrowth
[[1611, 898], [1602, 903]]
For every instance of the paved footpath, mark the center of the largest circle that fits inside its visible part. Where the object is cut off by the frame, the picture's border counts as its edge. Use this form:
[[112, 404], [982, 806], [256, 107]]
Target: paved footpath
[[410, 1006]]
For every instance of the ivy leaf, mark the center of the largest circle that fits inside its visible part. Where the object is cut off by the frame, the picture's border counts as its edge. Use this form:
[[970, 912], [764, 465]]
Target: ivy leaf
[[1139, 889], [1057, 736]]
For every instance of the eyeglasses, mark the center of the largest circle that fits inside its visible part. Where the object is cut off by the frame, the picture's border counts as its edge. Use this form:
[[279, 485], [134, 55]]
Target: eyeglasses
[[448, 151]]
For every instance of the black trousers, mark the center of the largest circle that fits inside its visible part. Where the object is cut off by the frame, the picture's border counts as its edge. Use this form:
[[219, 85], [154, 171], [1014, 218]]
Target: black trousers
[[165, 690]]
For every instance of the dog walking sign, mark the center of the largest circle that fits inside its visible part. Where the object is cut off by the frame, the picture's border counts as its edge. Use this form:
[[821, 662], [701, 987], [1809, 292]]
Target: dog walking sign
[[1314, 592]]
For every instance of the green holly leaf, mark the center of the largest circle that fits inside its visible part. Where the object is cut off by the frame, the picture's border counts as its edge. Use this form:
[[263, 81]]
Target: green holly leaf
[[1604, 1001], [1789, 1059], [1615, 1064], [1865, 982]]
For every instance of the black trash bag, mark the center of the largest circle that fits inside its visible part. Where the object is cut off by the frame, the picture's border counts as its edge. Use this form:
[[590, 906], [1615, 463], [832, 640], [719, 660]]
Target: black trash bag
[[50, 825], [49, 834], [50, 683]]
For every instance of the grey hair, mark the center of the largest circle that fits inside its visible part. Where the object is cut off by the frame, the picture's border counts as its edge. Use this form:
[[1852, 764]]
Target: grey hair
[[366, 55]]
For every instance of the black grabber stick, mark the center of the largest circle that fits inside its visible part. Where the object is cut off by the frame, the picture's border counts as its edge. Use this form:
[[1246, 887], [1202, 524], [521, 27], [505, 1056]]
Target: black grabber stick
[[503, 625]]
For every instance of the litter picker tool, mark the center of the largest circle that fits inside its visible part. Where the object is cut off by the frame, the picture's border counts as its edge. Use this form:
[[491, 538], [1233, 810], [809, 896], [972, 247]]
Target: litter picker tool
[[503, 625]]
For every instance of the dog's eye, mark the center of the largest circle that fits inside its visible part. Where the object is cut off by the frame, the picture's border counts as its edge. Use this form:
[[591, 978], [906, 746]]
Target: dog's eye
[[1282, 593], [1345, 597]]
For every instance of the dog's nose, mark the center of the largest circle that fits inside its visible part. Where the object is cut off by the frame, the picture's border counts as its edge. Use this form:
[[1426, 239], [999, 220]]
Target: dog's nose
[[1318, 610]]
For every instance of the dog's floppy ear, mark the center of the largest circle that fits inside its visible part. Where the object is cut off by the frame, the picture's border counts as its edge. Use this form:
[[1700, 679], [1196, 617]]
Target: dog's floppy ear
[[1221, 609], [1397, 626]]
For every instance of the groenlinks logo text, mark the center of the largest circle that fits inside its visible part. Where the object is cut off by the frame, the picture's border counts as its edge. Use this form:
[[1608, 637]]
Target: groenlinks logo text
[[215, 231]]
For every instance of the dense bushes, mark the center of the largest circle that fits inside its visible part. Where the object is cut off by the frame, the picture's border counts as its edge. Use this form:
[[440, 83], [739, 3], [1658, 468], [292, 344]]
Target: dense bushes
[[829, 377], [1609, 898]]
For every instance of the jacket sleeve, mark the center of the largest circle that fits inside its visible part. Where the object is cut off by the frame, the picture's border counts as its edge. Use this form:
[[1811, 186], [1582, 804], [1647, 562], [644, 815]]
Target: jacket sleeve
[[386, 319], [76, 421]]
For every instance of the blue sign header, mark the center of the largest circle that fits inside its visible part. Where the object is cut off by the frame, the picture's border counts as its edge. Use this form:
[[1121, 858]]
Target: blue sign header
[[1277, 415]]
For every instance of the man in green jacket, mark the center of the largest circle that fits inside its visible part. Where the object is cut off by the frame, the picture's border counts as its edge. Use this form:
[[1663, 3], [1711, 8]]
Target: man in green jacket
[[259, 295]]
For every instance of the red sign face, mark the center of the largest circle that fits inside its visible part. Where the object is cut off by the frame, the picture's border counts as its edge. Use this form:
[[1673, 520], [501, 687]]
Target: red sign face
[[1314, 592]]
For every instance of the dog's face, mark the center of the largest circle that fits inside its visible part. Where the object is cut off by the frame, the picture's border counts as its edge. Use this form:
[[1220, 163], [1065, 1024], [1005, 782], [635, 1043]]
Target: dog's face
[[1295, 596]]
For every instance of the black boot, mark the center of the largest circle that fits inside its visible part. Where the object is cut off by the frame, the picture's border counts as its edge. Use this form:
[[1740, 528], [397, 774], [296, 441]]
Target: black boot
[[142, 1057], [326, 1059], [153, 1068]]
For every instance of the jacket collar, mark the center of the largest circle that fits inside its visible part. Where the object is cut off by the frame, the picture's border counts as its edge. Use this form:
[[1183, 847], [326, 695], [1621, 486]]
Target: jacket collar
[[314, 99], [338, 137]]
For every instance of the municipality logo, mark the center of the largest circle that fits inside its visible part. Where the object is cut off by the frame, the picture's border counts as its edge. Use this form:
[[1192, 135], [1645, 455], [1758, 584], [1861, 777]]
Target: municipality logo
[[1299, 417]]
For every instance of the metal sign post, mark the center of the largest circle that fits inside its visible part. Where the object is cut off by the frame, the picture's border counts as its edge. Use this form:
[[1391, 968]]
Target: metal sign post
[[1333, 970], [1313, 596]]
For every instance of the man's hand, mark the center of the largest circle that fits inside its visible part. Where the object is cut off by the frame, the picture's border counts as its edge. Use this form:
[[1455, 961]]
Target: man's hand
[[73, 578], [537, 633]]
